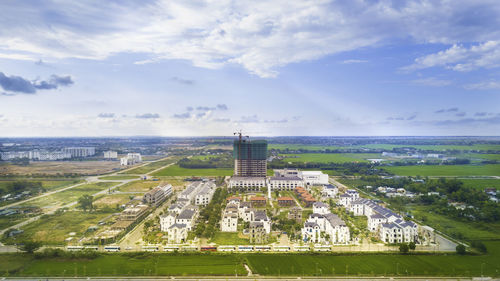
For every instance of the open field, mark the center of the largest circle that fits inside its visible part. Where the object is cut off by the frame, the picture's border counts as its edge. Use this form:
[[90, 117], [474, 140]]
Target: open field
[[366, 265], [446, 170], [434, 147], [70, 195], [46, 184], [481, 184], [111, 200], [330, 157], [228, 238], [141, 264], [119, 177], [175, 170], [138, 186], [152, 166], [303, 146], [61, 168], [456, 228], [54, 229], [9, 221]]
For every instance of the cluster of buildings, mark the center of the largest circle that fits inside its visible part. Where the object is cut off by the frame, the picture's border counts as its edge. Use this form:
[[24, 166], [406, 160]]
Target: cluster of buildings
[[182, 214], [110, 155], [250, 170], [44, 155], [304, 196], [157, 195], [324, 227], [391, 227], [259, 223], [131, 159]]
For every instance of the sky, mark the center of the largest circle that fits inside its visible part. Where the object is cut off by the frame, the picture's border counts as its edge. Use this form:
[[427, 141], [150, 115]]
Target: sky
[[269, 68]]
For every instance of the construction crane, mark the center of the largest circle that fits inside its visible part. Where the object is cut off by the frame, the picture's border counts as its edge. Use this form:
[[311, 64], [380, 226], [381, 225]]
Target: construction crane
[[240, 135], [240, 140]]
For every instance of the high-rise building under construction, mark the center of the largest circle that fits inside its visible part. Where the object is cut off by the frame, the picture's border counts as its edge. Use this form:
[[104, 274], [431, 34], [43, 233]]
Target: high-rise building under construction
[[250, 158]]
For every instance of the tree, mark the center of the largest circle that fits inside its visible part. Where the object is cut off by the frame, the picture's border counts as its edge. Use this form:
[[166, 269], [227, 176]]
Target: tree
[[460, 249], [29, 246], [412, 245], [480, 246], [403, 248], [85, 202]]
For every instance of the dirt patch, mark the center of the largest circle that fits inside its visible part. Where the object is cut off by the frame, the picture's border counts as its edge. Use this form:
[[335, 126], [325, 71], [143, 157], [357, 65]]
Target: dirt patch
[[61, 168]]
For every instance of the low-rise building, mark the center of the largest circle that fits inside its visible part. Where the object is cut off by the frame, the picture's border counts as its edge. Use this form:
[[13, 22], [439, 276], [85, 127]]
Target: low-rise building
[[177, 233], [131, 159], [258, 233], [187, 217], [295, 213], [247, 183], [286, 201], [229, 222], [258, 201], [321, 208], [157, 195], [133, 213], [110, 154], [205, 194], [314, 177], [329, 191]]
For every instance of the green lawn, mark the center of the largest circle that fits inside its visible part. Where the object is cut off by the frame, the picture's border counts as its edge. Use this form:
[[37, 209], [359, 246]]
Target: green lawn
[[70, 195], [123, 265], [54, 229], [152, 166], [434, 147], [138, 186], [330, 157], [481, 184], [228, 238], [446, 170], [373, 265], [124, 177], [175, 170]]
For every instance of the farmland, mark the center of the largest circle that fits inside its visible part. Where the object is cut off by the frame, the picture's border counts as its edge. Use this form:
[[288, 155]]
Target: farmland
[[151, 166], [330, 157], [175, 170], [70, 195], [54, 229], [436, 147], [447, 170], [481, 184]]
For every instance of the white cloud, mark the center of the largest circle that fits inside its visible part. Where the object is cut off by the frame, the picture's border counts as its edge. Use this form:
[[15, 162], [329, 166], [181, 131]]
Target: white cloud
[[488, 85], [431, 81], [460, 58], [353, 61], [260, 36]]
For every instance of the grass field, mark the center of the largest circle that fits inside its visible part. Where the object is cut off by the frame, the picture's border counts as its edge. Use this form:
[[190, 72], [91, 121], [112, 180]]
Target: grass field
[[61, 168], [112, 200], [435, 147], [54, 229], [10, 221], [138, 186], [228, 238], [330, 157], [47, 184], [175, 170], [446, 170], [111, 265], [304, 147], [70, 195], [119, 177], [479, 156], [481, 184], [152, 166]]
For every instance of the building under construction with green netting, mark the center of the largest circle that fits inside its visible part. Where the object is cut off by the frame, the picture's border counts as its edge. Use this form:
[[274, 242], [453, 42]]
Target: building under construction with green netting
[[250, 158]]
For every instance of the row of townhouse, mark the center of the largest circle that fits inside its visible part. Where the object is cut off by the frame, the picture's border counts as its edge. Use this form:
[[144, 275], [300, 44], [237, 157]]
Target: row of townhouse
[[391, 227], [157, 195], [182, 214], [260, 223], [329, 191], [349, 196], [283, 179], [324, 227]]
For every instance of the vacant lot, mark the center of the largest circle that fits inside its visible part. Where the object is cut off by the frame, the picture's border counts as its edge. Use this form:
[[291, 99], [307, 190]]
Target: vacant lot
[[141, 264], [119, 177], [447, 170], [228, 238], [330, 157], [61, 168], [46, 184], [138, 186], [64, 197], [111, 200], [54, 229], [175, 170], [151, 166]]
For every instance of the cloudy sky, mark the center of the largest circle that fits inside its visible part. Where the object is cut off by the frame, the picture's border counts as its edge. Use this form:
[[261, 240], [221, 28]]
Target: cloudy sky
[[187, 68]]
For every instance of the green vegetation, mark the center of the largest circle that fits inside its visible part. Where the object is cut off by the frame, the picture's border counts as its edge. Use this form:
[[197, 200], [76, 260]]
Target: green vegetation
[[303, 147], [330, 157], [112, 200], [175, 170], [481, 184], [151, 166], [70, 195], [54, 229], [228, 238], [119, 177], [85, 202], [138, 264], [138, 186], [435, 147], [446, 170]]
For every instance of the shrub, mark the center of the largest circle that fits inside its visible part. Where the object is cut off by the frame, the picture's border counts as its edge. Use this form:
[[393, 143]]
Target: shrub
[[460, 249], [403, 248]]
